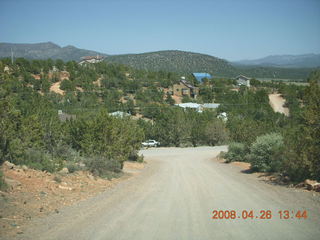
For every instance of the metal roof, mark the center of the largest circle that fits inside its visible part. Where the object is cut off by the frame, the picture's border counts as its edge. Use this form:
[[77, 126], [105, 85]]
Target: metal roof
[[201, 76], [189, 105], [210, 105]]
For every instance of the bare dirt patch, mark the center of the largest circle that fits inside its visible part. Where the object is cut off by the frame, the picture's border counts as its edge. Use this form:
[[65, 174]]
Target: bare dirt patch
[[56, 88], [33, 193], [277, 102], [177, 99]]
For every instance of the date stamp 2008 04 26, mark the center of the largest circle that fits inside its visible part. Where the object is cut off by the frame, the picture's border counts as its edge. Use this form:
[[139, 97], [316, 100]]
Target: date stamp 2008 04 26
[[261, 214]]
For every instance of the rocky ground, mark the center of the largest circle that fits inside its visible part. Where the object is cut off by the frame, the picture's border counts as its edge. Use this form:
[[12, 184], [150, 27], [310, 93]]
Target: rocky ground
[[32, 194]]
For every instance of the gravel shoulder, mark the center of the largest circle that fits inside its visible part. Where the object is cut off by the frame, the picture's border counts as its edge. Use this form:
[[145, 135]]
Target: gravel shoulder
[[173, 198]]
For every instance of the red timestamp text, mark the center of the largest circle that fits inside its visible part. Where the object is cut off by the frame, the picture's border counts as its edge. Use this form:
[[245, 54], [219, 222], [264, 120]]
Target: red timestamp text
[[260, 214]]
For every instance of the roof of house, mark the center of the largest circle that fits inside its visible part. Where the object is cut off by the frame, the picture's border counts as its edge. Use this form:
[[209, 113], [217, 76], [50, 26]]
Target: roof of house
[[189, 105], [184, 82], [210, 105], [201, 76], [243, 77]]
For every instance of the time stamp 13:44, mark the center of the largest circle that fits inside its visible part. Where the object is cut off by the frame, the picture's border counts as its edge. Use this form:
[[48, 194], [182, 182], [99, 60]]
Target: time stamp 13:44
[[261, 214]]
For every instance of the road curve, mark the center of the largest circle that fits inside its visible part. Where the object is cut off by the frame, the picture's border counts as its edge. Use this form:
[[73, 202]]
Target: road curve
[[173, 198]]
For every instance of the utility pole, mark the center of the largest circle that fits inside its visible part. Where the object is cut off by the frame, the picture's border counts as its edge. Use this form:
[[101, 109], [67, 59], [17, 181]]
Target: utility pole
[[11, 57]]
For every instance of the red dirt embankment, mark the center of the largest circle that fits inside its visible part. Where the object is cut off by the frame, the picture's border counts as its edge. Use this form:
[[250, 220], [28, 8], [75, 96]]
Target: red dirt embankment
[[33, 193]]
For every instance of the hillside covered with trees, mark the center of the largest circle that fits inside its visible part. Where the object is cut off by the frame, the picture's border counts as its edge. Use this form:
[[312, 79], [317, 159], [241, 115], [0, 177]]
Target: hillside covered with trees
[[33, 133], [272, 142], [188, 62], [169, 61], [44, 51]]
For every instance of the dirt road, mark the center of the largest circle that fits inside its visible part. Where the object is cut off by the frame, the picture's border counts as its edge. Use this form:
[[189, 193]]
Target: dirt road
[[173, 198]]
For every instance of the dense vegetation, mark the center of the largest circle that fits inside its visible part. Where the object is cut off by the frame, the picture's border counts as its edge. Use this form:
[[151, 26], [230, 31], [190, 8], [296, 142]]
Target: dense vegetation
[[174, 61], [33, 133], [272, 142], [170, 61], [188, 62]]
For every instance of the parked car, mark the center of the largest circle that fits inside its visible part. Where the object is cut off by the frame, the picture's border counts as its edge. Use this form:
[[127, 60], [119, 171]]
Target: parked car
[[151, 143]]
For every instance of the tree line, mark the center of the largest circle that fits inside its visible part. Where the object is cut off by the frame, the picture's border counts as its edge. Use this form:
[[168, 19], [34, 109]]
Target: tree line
[[272, 142]]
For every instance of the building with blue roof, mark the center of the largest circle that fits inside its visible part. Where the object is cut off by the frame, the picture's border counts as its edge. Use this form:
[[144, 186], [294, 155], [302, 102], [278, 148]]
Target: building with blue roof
[[200, 76]]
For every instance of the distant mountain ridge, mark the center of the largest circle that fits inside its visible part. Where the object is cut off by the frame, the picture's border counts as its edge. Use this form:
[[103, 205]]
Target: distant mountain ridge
[[44, 51], [289, 61], [170, 61]]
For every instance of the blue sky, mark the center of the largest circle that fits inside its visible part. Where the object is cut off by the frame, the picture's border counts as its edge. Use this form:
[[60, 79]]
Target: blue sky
[[229, 29]]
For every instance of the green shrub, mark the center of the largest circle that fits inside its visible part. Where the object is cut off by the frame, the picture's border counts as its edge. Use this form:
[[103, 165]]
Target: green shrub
[[38, 159], [140, 158], [72, 167], [67, 85], [215, 133], [134, 156], [266, 153], [102, 166], [222, 155], [236, 152]]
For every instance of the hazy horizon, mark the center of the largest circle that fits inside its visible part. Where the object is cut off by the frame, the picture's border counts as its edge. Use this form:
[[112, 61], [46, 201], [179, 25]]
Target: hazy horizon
[[230, 30], [167, 50]]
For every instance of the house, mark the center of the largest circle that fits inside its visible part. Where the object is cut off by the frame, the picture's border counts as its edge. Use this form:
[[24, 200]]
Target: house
[[243, 81], [200, 76], [191, 105], [91, 59], [183, 88], [198, 107]]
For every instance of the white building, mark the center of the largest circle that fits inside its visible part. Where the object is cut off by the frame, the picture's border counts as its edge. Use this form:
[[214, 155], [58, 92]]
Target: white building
[[191, 105], [91, 59], [243, 81], [198, 107]]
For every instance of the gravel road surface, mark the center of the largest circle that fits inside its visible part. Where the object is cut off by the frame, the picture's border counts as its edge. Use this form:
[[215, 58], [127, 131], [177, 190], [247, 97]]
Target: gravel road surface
[[174, 197]]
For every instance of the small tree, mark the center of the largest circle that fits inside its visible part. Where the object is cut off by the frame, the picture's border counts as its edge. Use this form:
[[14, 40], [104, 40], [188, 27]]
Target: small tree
[[169, 99], [236, 152], [215, 133], [266, 153], [67, 85]]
